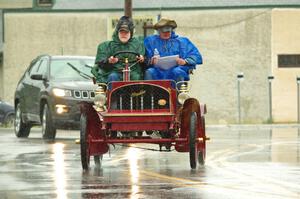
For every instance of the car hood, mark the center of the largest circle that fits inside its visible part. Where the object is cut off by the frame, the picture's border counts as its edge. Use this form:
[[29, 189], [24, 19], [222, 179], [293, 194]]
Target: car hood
[[6, 106], [75, 85]]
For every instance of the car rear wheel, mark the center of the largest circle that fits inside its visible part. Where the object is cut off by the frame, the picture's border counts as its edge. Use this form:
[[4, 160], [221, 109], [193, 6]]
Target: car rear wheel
[[98, 160], [21, 129], [201, 158], [192, 140], [48, 129], [202, 152]]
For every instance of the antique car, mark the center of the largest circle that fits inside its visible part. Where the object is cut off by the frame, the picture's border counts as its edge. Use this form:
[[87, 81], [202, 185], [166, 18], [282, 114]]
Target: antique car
[[130, 111]]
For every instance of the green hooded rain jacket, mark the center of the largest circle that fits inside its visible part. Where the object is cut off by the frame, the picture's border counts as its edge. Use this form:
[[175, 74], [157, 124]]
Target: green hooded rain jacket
[[108, 49]]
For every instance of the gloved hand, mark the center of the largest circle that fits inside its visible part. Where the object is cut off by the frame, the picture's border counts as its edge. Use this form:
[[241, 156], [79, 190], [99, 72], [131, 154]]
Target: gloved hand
[[104, 64]]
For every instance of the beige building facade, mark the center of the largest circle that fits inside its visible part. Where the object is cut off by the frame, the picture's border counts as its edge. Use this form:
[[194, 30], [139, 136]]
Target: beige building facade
[[232, 41], [285, 40], [9, 4]]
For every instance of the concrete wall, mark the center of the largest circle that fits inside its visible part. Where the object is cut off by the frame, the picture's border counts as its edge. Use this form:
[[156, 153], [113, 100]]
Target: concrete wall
[[28, 35], [1, 51], [285, 40], [16, 3], [1, 81], [231, 41]]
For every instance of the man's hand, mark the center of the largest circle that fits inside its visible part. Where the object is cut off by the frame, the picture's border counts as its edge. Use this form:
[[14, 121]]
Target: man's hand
[[113, 60], [180, 61], [140, 58]]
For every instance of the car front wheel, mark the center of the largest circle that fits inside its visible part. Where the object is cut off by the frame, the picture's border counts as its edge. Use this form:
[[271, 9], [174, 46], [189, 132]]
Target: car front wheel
[[21, 129], [84, 145], [9, 121], [48, 129]]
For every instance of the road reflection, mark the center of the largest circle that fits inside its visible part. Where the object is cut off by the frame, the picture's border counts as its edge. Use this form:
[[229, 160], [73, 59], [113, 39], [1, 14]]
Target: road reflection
[[285, 146], [242, 162], [133, 156], [59, 170]]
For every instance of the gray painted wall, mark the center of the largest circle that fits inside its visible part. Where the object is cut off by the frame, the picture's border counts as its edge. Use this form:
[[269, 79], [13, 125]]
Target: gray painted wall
[[1, 51], [231, 41]]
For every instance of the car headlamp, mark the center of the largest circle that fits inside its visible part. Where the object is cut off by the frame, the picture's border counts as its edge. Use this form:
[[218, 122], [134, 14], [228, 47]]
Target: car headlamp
[[100, 100], [60, 108], [182, 97], [61, 92]]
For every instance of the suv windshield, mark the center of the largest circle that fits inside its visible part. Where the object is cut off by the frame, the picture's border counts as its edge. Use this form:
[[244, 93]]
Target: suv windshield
[[71, 69]]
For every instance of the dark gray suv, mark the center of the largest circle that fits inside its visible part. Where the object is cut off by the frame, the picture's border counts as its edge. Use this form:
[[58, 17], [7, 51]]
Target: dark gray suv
[[7, 114], [49, 92]]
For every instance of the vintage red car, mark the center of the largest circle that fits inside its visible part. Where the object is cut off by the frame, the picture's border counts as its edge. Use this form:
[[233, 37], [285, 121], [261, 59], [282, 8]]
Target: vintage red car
[[130, 111]]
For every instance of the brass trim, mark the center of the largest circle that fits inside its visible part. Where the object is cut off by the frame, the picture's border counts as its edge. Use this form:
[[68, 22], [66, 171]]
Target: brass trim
[[169, 90], [141, 83], [138, 114]]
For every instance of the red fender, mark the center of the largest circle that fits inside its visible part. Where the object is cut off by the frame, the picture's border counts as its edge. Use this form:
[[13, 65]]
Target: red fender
[[190, 105], [94, 129]]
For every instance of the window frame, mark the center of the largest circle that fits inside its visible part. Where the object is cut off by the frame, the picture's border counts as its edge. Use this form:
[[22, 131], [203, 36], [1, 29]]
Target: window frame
[[44, 3], [288, 60]]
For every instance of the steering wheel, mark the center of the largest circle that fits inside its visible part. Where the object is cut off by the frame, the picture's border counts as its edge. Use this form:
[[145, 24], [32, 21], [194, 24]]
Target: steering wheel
[[126, 52]]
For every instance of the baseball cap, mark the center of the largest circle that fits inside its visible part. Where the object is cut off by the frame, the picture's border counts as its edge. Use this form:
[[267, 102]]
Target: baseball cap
[[124, 28]]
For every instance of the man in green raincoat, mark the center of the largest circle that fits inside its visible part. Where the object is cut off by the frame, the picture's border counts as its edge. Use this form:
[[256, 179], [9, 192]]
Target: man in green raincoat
[[108, 68]]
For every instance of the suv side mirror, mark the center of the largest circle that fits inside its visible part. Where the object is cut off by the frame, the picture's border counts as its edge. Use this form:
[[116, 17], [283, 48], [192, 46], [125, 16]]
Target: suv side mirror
[[38, 77]]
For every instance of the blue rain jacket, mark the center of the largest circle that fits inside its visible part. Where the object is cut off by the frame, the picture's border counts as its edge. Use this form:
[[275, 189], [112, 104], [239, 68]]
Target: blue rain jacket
[[176, 45]]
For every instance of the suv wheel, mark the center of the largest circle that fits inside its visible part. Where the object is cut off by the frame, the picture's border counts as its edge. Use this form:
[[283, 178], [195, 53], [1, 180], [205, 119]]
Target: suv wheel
[[48, 129], [21, 129], [9, 120]]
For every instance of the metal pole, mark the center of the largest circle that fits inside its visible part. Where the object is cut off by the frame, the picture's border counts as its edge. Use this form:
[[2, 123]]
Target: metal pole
[[270, 101], [270, 78], [128, 8], [239, 102], [298, 99], [239, 78]]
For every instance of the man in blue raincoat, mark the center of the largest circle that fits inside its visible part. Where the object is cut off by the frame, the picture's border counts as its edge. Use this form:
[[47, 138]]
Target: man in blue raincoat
[[167, 43]]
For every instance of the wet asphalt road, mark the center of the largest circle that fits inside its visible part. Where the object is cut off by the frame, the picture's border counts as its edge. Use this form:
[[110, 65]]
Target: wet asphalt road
[[242, 162]]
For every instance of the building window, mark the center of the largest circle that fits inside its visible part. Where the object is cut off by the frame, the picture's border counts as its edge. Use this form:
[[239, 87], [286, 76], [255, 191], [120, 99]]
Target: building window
[[289, 61], [44, 3]]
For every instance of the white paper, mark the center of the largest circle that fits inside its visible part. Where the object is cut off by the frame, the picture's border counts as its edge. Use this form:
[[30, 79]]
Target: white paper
[[167, 62]]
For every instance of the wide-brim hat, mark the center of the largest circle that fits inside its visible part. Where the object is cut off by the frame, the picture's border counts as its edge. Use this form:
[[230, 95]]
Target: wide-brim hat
[[163, 22]]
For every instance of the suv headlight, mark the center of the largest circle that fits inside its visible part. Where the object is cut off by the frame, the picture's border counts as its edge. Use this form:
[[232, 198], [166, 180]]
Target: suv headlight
[[182, 97], [62, 92]]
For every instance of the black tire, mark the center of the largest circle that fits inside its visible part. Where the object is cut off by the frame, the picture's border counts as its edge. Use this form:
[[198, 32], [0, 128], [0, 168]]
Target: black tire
[[201, 158], [202, 154], [84, 145], [98, 160], [9, 120], [22, 129], [192, 140], [48, 129]]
